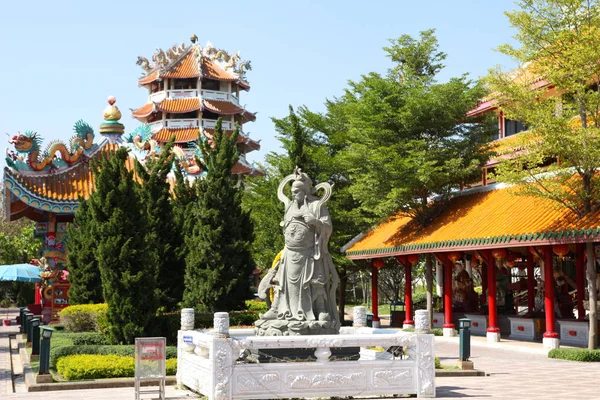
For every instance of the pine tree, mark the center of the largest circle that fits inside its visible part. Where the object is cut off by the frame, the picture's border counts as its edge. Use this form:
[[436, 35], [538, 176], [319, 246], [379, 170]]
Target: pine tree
[[219, 262], [126, 265], [164, 236], [84, 275]]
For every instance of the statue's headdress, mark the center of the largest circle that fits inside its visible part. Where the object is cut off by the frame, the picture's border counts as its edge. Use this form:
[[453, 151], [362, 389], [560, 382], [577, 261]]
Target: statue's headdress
[[301, 179]]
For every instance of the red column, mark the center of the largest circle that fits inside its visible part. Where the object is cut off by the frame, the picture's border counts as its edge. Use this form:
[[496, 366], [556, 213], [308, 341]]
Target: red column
[[484, 285], [374, 294], [491, 298], [549, 294], [530, 284], [408, 294], [580, 279], [448, 293]]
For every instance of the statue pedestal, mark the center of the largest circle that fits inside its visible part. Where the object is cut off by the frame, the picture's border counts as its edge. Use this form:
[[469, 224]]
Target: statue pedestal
[[278, 327], [551, 343]]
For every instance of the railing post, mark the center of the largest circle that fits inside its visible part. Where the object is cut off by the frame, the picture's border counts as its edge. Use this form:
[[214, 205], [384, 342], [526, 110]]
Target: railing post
[[221, 325], [360, 317], [187, 319]]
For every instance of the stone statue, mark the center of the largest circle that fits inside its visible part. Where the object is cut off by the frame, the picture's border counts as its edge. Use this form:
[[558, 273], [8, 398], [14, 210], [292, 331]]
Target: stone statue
[[304, 280]]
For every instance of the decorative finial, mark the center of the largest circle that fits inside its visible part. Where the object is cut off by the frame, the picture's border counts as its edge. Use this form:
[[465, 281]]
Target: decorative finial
[[194, 38], [112, 128]]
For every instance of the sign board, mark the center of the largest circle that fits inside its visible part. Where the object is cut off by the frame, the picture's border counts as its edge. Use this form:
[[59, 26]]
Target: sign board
[[187, 339], [150, 358]]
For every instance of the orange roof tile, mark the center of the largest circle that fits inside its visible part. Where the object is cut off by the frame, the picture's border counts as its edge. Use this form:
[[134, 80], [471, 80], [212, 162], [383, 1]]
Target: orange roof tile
[[178, 106], [143, 111], [248, 116], [186, 67], [182, 135], [67, 185], [239, 169], [496, 218], [149, 78], [213, 71], [222, 107]]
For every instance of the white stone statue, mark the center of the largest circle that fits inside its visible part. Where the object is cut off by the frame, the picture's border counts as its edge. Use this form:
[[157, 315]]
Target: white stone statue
[[305, 280]]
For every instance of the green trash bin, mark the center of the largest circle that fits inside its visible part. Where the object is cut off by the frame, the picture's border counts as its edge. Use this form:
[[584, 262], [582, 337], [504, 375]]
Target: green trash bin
[[397, 314], [369, 320]]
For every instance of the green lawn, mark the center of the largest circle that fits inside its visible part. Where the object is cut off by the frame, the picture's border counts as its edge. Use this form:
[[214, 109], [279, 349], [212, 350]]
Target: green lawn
[[383, 309]]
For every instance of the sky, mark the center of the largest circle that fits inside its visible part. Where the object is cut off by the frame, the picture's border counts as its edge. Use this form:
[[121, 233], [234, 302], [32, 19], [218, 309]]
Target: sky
[[62, 59]]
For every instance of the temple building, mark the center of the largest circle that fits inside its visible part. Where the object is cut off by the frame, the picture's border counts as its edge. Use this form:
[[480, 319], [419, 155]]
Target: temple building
[[528, 255], [189, 88]]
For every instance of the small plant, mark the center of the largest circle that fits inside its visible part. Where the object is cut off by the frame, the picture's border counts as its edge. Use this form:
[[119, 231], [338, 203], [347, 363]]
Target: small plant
[[584, 355], [84, 317]]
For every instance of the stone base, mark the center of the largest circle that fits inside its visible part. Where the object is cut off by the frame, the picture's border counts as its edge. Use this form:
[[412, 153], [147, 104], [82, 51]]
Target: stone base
[[34, 357], [276, 327], [376, 324], [449, 332], [44, 378], [466, 365], [492, 337], [551, 343], [407, 326]]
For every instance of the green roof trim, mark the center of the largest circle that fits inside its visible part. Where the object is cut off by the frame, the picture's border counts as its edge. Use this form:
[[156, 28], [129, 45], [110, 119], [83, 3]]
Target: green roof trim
[[521, 237]]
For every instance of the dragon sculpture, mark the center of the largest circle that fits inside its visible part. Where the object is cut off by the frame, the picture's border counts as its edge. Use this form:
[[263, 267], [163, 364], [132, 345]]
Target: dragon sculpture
[[29, 144], [141, 138]]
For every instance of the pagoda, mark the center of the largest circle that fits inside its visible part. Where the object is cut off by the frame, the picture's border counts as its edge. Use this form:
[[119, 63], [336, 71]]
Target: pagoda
[[189, 88]]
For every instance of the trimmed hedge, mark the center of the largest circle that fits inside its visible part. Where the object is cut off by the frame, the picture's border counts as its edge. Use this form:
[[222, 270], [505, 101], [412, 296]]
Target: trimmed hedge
[[87, 366], [83, 317], [584, 355], [256, 306], [58, 353], [88, 338], [438, 364]]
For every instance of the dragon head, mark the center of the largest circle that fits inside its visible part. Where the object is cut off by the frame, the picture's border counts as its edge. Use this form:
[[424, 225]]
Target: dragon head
[[25, 142]]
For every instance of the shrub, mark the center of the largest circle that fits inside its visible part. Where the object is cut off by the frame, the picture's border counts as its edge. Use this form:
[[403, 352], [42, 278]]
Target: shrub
[[119, 350], [88, 338], [77, 367], [256, 306], [584, 355], [87, 366], [438, 364], [437, 332], [83, 318], [57, 327]]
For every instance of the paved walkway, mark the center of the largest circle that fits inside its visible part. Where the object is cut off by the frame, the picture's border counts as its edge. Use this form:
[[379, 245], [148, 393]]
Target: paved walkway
[[514, 370]]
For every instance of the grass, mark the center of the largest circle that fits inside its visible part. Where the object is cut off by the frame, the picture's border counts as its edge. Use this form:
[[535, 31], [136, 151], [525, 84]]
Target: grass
[[383, 309]]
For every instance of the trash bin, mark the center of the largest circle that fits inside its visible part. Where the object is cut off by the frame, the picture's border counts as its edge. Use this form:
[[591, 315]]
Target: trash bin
[[397, 314], [369, 320]]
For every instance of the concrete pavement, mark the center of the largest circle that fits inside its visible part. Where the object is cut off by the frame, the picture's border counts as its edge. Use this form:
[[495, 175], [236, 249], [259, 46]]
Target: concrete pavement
[[515, 370]]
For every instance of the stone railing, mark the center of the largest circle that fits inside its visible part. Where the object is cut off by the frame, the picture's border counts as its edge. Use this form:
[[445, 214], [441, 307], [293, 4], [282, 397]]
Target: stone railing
[[225, 364]]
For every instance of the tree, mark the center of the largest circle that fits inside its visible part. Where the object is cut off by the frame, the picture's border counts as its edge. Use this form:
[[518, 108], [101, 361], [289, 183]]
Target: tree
[[84, 274], [164, 236], [127, 265], [560, 44], [405, 138], [219, 262]]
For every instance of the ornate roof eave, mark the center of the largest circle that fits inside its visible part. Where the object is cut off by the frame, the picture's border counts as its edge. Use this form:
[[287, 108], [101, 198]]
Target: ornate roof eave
[[569, 236]]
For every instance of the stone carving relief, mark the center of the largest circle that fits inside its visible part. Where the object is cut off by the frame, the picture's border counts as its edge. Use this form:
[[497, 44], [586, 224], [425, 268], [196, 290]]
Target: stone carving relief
[[331, 380], [251, 383], [393, 377]]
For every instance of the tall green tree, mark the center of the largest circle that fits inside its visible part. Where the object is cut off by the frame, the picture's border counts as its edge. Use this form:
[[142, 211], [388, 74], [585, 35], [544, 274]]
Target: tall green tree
[[164, 236], [219, 261], [84, 274], [407, 137], [127, 265], [559, 44]]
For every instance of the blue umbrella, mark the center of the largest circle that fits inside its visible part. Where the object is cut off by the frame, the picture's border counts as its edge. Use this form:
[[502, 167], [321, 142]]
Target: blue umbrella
[[20, 272]]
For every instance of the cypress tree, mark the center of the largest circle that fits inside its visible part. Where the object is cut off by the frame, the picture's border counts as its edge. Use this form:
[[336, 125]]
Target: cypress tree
[[84, 275], [219, 262], [164, 236], [125, 262]]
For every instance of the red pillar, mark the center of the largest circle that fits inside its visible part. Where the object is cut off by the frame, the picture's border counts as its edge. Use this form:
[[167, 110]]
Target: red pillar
[[408, 294], [549, 294], [491, 298], [484, 285], [448, 293], [580, 279], [374, 294], [530, 284]]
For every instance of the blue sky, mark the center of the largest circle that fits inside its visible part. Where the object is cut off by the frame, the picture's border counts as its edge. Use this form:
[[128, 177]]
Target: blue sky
[[62, 59]]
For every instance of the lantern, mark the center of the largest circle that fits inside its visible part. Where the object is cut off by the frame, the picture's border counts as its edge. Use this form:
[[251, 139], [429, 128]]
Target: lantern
[[401, 260], [378, 263], [532, 251], [498, 253], [455, 256], [560, 250], [413, 258]]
